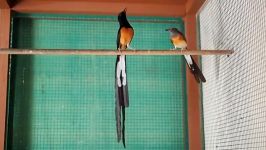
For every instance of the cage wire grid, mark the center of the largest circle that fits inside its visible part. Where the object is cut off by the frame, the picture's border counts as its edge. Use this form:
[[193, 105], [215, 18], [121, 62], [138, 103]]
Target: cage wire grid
[[234, 96], [67, 102]]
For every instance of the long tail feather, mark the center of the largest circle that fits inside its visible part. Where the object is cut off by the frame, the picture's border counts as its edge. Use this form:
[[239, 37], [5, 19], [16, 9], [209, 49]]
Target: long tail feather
[[123, 126], [117, 104], [118, 120], [194, 69], [125, 96], [196, 77], [122, 101], [197, 72], [117, 112]]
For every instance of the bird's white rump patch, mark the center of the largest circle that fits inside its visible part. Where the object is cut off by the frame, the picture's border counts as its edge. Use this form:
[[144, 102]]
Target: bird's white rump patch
[[121, 70]]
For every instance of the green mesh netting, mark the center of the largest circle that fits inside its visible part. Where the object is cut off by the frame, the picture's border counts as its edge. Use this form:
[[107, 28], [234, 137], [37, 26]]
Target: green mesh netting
[[67, 102]]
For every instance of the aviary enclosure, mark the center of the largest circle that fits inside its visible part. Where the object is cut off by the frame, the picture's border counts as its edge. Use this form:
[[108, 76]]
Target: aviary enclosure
[[57, 62]]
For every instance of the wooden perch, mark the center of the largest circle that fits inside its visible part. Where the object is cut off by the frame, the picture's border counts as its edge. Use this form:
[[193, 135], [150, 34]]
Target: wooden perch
[[112, 52]]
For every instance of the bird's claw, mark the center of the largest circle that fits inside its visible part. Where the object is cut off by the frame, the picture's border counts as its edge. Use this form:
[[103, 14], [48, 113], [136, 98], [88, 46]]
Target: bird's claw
[[130, 48], [119, 50], [172, 48]]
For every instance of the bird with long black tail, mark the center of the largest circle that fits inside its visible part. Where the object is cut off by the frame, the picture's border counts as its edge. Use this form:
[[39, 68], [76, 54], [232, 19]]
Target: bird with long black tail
[[124, 37], [179, 41]]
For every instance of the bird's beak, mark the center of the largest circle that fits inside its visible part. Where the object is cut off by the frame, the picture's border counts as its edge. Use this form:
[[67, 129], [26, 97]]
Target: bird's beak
[[167, 29], [125, 10]]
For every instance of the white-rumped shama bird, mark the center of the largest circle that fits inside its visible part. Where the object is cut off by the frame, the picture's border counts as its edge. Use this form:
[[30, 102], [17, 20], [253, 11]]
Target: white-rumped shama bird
[[124, 37], [179, 41]]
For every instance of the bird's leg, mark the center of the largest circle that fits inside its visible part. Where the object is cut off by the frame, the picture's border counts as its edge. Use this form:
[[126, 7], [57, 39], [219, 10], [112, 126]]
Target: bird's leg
[[123, 67], [131, 48], [118, 72]]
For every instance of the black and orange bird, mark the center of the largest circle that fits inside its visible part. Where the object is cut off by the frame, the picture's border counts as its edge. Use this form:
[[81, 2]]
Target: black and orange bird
[[124, 37], [179, 41]]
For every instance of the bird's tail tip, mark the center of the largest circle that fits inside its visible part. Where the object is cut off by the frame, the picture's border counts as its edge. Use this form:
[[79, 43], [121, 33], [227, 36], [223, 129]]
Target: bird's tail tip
[[198, 74], [203, 80], [124, 144]]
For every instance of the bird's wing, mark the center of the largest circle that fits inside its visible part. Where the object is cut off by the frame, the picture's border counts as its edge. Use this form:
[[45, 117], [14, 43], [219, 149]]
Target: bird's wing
[[118, 38]]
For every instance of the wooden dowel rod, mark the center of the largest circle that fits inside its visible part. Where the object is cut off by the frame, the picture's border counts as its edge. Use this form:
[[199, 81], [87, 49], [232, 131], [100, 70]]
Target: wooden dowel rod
[[112, 52]]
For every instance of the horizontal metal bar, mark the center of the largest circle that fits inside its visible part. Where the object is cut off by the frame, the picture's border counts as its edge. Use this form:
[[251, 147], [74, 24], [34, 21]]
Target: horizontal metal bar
[[112, 52], [95, 19]]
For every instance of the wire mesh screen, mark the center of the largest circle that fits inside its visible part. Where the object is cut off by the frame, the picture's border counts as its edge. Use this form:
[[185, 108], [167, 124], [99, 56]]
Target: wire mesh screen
[[67, 102], [234, 97]]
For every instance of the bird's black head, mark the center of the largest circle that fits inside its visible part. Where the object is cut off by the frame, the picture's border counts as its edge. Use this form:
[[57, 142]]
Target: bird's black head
[[122, 18], [173, 30], [122, 14]]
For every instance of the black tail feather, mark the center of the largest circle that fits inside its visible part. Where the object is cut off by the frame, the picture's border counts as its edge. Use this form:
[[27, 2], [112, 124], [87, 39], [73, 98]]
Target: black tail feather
[[197, 72], [118, 113], [122, 101], [196, 77], [123, 126]]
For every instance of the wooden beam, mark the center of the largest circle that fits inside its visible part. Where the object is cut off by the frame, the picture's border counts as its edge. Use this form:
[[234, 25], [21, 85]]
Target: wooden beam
[[97, 7], [4, 43], [192, 6], [112, 52], [193, 91], [4, 4], [195, 126]]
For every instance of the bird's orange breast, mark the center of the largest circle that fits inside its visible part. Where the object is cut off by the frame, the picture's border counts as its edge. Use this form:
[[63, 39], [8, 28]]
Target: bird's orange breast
[[126, 35], [179, 42]]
